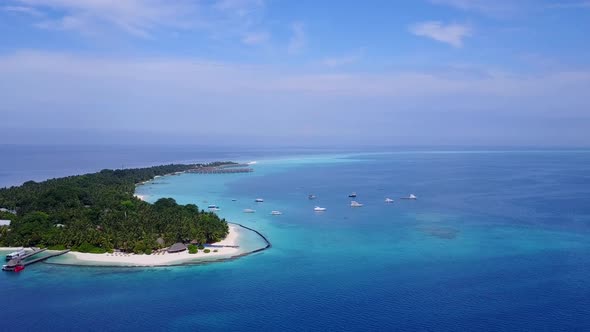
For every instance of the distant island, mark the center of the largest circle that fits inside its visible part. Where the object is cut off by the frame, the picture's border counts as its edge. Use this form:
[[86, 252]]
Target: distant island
[[98, 213]]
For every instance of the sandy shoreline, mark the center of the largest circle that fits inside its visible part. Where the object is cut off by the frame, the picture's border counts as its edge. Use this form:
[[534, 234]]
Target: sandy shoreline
[[163, 259]]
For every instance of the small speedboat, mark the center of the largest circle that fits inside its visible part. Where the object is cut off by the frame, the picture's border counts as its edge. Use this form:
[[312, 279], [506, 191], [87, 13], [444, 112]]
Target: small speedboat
[[249, 211], [355, 204], [259, 200], [319, 209], [213, 206], [412, 196], [388, 200], [311, 196], [352, 195], [276, 213]]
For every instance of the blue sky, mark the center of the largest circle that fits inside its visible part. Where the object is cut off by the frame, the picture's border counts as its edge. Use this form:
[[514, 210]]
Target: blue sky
[[468, 72]]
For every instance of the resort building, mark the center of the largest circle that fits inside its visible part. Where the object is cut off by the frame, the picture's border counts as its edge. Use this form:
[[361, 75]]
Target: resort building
[[177, 247], [4, 222]]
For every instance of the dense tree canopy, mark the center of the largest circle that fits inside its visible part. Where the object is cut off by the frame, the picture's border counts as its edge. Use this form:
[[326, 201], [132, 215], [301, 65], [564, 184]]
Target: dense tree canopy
[[98, 212]]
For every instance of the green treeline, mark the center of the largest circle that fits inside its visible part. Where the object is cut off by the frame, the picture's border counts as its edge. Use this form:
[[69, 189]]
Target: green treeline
[[98, 212]]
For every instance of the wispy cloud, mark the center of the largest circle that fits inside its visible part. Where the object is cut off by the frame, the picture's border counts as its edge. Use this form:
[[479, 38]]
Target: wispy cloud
[[342, 60], [255, 38], [22, 10], [298, 39], [570, 4], [452, 34], [486, 7], [143, 18], [135, 17]]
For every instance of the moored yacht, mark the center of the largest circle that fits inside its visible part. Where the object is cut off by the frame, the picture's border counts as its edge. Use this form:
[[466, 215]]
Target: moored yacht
[[388, 200], [353, 194], [249, 211], [276, 213], [355, 204], [259, 200], [319, 209], [16, 254], [311, 196]]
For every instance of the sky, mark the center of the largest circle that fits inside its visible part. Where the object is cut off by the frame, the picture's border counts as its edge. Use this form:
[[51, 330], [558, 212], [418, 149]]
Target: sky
[[279, 72]]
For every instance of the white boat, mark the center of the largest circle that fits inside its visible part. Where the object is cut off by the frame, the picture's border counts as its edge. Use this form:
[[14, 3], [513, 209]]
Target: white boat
[[355, 204], [259, 200], [213, 206], [276, 213], [16, 254], [319, 209], [388, 200], [249, 211], [311, 196], [412, 196]]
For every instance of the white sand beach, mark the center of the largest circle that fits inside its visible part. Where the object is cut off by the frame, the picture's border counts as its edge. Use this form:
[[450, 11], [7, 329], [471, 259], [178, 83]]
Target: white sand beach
[[162, 259]]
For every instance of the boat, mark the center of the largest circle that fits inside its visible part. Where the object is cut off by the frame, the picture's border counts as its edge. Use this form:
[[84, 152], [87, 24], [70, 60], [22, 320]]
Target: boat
[[249, 211], [412, 196], [14, 265], [319, 209], [388, 200], [352, 195], [16, 254], [276, 213], [355, 204], [213, 206], [311, 196], [259, 200]]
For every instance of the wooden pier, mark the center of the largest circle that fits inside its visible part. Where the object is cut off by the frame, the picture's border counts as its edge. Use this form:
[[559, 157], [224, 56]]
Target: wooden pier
[[40, 259]]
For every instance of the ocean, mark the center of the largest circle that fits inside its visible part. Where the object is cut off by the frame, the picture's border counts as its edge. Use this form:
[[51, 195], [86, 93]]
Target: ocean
[[498, 240]]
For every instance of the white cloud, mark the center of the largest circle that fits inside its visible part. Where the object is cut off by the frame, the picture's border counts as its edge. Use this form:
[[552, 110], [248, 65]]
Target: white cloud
[[570, 4], [497, 8], [338, 61], [22, 10], [452, 34], [136, 17], [298, 39], [255, 38]]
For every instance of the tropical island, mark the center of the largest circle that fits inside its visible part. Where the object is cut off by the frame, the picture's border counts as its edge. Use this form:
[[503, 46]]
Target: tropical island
[[98, 213]]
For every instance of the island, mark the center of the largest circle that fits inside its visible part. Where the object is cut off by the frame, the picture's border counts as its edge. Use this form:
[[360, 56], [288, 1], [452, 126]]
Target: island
[[98, 217]]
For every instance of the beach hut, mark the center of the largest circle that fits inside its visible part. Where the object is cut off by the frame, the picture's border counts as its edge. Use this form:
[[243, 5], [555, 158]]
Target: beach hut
[[177, 247]]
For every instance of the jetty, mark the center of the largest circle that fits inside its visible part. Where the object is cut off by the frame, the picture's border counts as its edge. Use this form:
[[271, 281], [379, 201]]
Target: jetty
[[14, 263], [222, 169]]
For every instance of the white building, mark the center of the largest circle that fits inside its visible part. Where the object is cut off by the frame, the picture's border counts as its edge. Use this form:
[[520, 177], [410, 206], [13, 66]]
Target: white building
[[4, 222]]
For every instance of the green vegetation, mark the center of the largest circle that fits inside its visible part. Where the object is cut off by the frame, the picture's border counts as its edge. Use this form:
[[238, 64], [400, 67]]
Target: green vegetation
[[206, 251], [192, 249], [98, 213], [215, 250], [201, 247]]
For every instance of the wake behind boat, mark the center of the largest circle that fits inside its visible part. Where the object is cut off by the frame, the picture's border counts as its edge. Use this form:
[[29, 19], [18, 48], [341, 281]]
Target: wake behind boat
[[412, 196]]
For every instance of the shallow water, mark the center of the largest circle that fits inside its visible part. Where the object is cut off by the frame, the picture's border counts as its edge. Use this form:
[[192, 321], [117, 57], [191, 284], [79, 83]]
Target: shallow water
[[496, 241]]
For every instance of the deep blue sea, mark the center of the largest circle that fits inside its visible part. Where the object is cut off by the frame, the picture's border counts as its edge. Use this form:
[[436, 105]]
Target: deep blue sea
[[498, 240]]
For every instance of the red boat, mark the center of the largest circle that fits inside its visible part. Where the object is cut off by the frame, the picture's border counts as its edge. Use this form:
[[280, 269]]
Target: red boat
[[19, 268]]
